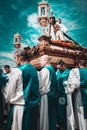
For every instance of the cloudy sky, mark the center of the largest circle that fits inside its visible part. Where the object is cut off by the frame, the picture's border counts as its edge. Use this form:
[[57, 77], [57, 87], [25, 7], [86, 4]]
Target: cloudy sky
[[21, 16]]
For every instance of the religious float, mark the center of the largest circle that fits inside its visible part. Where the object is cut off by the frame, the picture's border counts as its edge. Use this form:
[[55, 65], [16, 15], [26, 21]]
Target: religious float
[[66, 49]]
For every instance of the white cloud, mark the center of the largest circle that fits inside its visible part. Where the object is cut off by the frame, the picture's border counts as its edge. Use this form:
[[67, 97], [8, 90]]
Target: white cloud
[[7, 62], [8, 55], [32, 41], [7, 58], [34, 38], [32, 22], [25, 43], [73, 25]]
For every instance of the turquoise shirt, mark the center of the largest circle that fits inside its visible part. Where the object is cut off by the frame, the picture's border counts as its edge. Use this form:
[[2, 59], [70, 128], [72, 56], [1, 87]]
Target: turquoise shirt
[[53, 85], [52, 98], [3, 81], [83, 88], [61, 77], [30, 85], [62, 98]]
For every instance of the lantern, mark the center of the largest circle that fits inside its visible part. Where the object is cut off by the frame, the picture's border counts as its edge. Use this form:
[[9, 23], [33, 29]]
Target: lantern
[[17, 40]]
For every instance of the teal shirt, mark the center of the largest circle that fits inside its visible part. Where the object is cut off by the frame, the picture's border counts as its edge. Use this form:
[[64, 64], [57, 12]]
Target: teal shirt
[[62, 98], [30, 85], [52, 98], [83, 88], [83, 77], [53, 85], [61, 77], [3, 81]]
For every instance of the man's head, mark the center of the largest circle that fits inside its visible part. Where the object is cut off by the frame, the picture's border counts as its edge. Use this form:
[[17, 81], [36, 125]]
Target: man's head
[[7, 69], [61, 65], [52, 20], [21, 56], [45, 60]]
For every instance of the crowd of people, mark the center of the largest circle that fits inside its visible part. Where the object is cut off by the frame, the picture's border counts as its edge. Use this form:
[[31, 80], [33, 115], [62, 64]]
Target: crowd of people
[[45, 99]]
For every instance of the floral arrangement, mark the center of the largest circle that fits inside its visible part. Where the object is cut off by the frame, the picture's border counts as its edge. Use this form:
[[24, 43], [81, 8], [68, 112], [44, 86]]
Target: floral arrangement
[[31, 51], [69, 44]]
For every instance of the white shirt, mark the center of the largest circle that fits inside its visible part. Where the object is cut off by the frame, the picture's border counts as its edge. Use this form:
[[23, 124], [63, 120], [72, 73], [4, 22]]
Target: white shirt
[[44, 81], [13, 91]]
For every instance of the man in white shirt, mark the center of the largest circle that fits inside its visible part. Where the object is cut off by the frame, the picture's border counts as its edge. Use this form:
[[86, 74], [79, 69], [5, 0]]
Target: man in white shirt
[[77, 84], [47, 87], [22, 91]]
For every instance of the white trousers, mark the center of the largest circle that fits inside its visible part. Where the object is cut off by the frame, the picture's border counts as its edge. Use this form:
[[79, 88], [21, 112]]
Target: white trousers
[[70, 113], [80, 112], [44, 119], [17, 118]]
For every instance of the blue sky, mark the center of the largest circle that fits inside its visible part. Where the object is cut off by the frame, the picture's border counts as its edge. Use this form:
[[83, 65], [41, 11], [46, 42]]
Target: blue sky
[[21, 16]]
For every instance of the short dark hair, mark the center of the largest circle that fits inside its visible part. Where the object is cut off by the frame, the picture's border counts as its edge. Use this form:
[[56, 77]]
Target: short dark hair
[[60, 62], [53, 18], [7, 66]]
